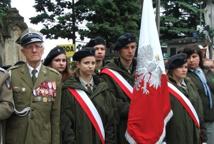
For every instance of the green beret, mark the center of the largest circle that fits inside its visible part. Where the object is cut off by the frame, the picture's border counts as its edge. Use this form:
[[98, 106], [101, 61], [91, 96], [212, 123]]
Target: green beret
[[123, 40], [176, 61], [87, 51], [52, 54], [96, 41]]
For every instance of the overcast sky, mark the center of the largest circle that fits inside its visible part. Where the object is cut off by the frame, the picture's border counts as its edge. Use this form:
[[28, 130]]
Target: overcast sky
[[27, 10]]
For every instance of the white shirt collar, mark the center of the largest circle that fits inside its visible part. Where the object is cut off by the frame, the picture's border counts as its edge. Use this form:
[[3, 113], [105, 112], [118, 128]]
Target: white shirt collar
[[30, 68], [84, 83]]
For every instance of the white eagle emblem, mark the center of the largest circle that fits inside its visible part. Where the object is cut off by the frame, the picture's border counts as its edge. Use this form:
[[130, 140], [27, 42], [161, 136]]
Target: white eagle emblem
[[148, 69]]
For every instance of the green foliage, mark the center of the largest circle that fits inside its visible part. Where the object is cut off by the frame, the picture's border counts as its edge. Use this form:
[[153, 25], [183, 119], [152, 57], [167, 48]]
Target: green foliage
[[4, 5], [111, 18], [180, 17], [56, 18], [107, 18]]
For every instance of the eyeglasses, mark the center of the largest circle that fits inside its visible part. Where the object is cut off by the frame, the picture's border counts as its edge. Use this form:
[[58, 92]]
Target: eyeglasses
[[34, 45]]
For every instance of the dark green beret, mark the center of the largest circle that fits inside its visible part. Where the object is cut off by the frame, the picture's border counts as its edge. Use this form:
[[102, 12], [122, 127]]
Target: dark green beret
[[176, 61], [52, 54], [87, 51], [96, 41], [123, 40], [29, 36]]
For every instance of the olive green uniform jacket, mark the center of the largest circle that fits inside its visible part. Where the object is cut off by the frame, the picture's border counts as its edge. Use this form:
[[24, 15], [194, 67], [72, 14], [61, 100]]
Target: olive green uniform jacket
[[123, 101], [181, 128], [208, 113], [41, 124], [6, 102], [76, 126]]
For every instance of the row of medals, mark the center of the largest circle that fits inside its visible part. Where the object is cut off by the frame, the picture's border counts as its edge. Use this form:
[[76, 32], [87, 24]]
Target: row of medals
[[46, 92]]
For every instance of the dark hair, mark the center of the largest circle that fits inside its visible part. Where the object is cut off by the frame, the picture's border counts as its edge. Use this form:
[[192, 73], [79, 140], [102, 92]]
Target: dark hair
[[67, 72], [191, 49]]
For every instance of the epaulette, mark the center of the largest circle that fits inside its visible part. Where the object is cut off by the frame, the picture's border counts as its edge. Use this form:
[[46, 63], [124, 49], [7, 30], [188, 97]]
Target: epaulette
[[14, 67], [3, 70], [53, 70], [188, 78]]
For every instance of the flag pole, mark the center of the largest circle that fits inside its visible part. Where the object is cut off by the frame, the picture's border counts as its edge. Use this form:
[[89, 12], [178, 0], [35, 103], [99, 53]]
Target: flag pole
[[158, 15]]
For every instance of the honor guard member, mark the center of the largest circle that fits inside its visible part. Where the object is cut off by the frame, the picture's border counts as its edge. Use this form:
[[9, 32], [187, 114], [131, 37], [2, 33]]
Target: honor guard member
[[182, 129], [87, 105], [119, 74], [6, 102], [99, 44], [36, 93]]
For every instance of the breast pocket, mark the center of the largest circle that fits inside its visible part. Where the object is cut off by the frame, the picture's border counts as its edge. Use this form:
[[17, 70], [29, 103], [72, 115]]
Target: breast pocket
[[19, 95]]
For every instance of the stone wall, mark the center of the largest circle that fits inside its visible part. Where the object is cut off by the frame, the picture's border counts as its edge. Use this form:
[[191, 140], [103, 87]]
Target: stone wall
[[11, 27]]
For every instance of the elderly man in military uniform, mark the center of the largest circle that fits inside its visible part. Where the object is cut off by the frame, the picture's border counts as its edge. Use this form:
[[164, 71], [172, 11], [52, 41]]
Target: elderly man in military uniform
[[6, 102], [36, 93]]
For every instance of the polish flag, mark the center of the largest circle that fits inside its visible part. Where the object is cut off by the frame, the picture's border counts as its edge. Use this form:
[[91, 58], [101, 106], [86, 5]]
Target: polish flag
[[150, 108]]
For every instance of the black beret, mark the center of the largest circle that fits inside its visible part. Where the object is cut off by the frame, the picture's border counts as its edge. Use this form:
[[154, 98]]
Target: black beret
[[87, 51], [29, 36], [96, 41], [123, 40], [52, 54], [176, 61]]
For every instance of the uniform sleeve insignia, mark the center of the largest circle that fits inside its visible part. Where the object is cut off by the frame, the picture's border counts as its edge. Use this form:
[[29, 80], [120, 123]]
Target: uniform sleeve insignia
[[53, 70]]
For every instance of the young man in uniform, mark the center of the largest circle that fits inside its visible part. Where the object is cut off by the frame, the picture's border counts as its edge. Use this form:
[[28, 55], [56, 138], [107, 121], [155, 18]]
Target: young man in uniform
[[99, 44], [36, 93], [6, 102], [119, 74]]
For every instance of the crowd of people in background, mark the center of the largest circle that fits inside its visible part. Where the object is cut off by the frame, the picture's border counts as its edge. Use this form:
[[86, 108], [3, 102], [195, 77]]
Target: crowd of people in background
[[47, 102]]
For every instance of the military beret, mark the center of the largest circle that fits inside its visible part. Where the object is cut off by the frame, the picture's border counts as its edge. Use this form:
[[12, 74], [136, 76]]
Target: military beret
[[123, 40], [87, 51], [96, 41], [29, 36], [176, 61], [52, 54]]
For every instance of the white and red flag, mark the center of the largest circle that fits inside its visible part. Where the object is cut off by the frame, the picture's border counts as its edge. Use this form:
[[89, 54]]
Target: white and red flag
[[150, 108]]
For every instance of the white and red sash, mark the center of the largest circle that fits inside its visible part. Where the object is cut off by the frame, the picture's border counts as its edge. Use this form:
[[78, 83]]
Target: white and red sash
[[90, 111], [120, 80], [185, 102]]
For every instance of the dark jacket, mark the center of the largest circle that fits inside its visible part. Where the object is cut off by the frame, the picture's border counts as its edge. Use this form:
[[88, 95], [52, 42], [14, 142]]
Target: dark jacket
[[76, 126], [208, 113], [6, 102], [123, 101], [41, 124], [181, 128]]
